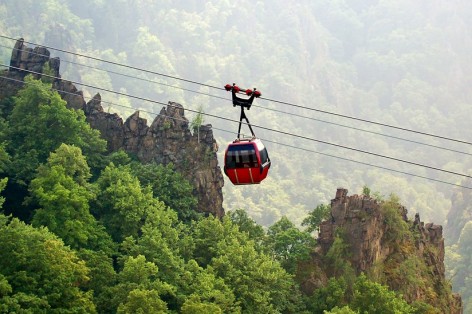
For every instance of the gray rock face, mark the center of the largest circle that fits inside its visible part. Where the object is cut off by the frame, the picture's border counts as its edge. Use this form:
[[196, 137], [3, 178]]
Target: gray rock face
[[167, 140], [366, 235]]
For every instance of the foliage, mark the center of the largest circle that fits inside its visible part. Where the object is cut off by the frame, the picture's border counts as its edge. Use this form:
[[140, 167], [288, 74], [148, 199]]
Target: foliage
[[62, 190], [288, 244], [102, 276], [48, 74], [170, 187], [209, 292], [247, 225], [121, 203], [328, 297], [459, 258], [3, 183], [6, 106], [4, 159], [338, 255], [197, 122], [372, 297], [259, 284], [38, 273], [343, 310], [142, 302], [401, 61], [40, 123], [316, 217], [138, 289], [397, 227], [162, 241]]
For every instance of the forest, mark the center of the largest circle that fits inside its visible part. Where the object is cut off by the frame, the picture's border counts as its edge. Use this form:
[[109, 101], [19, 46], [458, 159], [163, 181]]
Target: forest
[[396, 62], [102, 233], [97, 233]]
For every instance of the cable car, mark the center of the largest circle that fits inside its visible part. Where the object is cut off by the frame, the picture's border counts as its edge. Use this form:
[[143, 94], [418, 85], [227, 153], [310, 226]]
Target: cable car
[[246, 160]]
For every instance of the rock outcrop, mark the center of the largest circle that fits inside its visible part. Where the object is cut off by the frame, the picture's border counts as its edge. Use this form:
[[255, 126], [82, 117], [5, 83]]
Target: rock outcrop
[[381, 241], [167, 140]]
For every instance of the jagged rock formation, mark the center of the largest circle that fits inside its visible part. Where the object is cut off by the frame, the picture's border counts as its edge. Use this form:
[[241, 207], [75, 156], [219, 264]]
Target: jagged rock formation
[[410, 261], [167, 140]]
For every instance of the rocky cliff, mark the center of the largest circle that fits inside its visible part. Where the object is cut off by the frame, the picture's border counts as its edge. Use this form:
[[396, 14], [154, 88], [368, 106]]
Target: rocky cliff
[[377, 238], [167, 140]]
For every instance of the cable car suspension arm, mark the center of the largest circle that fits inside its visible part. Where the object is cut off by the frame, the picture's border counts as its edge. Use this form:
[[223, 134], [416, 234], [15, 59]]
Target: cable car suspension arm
[[243, 103]]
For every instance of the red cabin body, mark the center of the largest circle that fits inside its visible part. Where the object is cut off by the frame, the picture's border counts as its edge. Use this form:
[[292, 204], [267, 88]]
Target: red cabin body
[[246, 161]]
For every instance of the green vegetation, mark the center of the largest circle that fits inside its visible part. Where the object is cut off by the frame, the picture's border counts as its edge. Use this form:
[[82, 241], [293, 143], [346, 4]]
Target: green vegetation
[[400, 62], [125, 240], [108, 244], [39, 273], [197, 122], [397, 62], [364, 295], [316, 217]]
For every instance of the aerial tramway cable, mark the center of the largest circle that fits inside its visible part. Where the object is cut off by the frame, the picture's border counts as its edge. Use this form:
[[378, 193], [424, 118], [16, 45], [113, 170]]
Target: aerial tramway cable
[[270, 141], [265, 108], [268, 99], [261, 127]]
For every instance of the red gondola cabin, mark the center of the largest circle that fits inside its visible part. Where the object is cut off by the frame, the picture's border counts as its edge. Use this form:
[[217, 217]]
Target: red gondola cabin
[[246, 161]]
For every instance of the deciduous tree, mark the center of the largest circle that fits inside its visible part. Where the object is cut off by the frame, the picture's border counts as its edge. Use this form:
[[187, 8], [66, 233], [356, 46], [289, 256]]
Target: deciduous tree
[[288, 244], [38, 273], [62, 190], [39, 123]]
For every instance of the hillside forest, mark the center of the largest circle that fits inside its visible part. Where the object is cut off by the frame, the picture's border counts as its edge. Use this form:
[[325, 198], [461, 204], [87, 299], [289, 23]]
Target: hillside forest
[[400, 63], [96, 232]]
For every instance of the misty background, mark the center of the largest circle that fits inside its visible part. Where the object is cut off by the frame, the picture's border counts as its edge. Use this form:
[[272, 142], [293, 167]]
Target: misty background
[[401, 63]]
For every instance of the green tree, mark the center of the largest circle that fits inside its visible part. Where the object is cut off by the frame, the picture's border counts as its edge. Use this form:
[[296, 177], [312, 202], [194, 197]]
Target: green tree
[[3, 183], [197, 122], [39, 123], [288, 244], [258, 282], [163, 240], [62, 190], [4, 162], [48, 74], [38, 274], [138, 289], [195, 306], [343, 310], [102, 277], [397, 228], [248, 225], [6, 106], [166, 242], [4, 159], [338, 255], [461, 266], [170, 187], [372, 297], [141, 301], [329, 296], [205, 290], [316, 217], [121, 203]]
